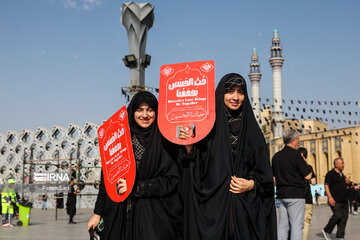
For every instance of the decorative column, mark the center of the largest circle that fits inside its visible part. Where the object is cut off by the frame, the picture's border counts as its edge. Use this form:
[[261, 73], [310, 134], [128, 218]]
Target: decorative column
[[276, 62], [255, 77], [137, 18]]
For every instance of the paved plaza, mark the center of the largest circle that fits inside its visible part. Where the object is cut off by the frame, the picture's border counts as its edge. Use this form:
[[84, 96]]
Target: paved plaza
[[44, 227]]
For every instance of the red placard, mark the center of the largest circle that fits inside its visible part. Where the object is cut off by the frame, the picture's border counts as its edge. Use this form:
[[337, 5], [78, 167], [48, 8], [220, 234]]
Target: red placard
[[187, 98], [117, 158]]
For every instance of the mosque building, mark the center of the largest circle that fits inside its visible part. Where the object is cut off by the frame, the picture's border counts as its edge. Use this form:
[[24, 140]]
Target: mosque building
[[323, 144]]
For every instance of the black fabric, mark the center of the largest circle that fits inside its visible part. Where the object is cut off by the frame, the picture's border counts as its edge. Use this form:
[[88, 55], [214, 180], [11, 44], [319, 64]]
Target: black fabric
[[339, 218], [356, 194], [308, 195], [337, 185], [289, 171], [44, 198], [206, 175], [71, 201], [350, 193], [155, 210], [356, 199]]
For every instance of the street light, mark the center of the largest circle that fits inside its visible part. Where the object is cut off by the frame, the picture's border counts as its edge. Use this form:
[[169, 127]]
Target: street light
[[146, 60], [130, 61]]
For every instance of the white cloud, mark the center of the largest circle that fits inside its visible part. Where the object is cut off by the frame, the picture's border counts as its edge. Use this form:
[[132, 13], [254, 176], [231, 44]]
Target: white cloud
[[69, 3], [81, 4], [180, 45], [90, 4], [75, 56]]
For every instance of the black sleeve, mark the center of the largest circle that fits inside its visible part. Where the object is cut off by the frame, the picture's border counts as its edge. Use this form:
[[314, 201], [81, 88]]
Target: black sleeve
[[100, 201], [313, 175], [163, 184], [312, 170], [301, 165], [328, 179], [273, 164], [155, 187]]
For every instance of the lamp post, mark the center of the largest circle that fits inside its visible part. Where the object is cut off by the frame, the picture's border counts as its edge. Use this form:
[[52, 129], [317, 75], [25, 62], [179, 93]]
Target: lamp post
[[137, 18]]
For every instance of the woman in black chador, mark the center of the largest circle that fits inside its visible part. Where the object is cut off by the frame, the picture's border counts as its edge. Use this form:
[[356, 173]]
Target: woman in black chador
[[227, 182], [153, 210]]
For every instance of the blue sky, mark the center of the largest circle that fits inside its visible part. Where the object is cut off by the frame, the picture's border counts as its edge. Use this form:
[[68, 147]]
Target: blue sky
[[61, 60]]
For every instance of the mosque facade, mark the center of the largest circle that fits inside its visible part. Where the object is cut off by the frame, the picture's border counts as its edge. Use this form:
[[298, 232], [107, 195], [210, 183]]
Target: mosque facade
[[323, 144]]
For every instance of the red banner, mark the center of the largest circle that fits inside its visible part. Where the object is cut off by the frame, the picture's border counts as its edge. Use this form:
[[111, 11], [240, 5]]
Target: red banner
[[117, 159], [187, 98]]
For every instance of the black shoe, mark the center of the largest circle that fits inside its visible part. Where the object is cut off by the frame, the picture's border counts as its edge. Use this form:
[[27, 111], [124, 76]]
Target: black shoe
[[72, 222]]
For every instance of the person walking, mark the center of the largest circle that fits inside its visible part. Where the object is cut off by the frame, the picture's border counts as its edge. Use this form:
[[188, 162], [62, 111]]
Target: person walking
[[44, 199], [317, 195], [290, 187], [336, 191], [308, 196], [71, 201]]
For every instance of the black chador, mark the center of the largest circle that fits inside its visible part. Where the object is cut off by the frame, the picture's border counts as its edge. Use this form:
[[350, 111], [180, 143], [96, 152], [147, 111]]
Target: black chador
[[153, 210], [234, 147]]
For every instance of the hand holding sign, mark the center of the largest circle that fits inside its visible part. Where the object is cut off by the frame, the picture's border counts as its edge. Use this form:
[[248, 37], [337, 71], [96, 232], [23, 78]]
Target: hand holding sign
[[186, 101], [186, 132], [121, 186]]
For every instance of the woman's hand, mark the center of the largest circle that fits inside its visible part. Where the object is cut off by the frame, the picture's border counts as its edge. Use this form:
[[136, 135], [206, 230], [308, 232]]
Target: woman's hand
[[94, 221], [240, 185], [185, 132], [121, 186]]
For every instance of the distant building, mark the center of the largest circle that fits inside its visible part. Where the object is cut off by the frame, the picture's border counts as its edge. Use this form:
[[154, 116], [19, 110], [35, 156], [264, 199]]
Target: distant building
[[323, 145]]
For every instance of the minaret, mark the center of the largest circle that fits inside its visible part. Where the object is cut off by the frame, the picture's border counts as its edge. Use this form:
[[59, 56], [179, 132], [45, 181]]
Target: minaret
[[276, 62], [255, 77]]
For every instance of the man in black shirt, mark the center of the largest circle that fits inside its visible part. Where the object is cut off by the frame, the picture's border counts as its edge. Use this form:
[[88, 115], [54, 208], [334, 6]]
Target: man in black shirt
[[290, 170], [335, 188], [308, 196]]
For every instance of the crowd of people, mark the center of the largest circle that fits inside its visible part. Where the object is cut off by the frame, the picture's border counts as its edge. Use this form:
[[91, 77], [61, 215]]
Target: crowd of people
[[221, 187]]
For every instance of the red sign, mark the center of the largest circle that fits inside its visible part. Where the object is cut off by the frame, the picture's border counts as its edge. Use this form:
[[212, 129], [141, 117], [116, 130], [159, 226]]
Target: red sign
[[117, 159], [187, 98]]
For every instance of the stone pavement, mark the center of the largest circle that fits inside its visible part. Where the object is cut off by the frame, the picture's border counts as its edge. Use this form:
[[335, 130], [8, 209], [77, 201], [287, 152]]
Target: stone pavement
[[321, 216], [44, 227]]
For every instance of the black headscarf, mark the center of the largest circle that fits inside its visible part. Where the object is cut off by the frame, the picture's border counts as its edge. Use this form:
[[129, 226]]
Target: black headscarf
[[234, 117], [206, 184], [155, 205], [142, 134]]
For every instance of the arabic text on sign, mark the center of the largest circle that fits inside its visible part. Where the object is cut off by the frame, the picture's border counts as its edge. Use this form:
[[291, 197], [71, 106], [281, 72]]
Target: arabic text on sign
[[187, 83]]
